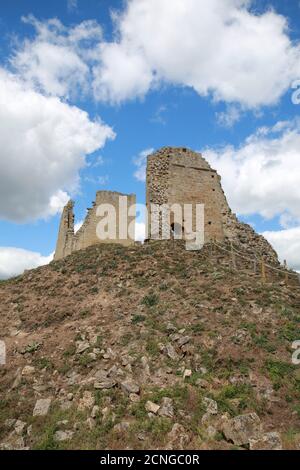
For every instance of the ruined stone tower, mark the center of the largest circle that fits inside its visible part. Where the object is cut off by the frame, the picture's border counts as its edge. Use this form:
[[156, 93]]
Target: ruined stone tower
[[181, 176], [68, 241]]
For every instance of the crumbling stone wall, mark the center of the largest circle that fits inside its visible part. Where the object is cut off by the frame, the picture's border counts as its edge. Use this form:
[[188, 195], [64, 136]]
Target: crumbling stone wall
[[179, 175], [64, 245], [68, 241]]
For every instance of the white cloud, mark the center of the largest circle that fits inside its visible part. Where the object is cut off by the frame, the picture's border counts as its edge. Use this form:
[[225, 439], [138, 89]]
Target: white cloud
[[13, 261], [220, 47], [56, 61], [141, 163], [229, 117], [287, 245], [43, 144], [123, 74], [262, 176]]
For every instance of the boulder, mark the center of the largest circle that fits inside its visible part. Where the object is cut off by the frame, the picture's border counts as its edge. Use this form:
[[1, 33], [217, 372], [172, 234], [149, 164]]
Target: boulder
[[87, 401], [166, 409], [152, 407], [177, 438], [62, 436], [42, 407], [169, 350], [267, 441], [128, 386], [105, 384], [241, 429]]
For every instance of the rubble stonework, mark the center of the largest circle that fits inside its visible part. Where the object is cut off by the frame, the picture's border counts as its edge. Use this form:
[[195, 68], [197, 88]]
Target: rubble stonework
[[182, 176], [174, 176], [68, 241]]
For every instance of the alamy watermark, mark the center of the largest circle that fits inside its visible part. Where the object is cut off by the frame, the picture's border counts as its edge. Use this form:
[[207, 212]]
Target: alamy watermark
[[2, 353], [296, 354], [296, 93], [163, 222]]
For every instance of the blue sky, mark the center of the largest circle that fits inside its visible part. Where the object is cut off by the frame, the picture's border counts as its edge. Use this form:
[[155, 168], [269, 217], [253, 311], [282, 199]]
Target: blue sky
[[155, 76]]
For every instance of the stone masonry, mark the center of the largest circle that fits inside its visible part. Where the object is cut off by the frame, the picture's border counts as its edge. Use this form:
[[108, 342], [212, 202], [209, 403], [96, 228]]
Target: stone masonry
[[181, 176], [174, 176], [69, 241]]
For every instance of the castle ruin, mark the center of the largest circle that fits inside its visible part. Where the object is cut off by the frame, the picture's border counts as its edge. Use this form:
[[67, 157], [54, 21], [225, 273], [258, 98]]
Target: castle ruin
[[174, 176], [69, 241]]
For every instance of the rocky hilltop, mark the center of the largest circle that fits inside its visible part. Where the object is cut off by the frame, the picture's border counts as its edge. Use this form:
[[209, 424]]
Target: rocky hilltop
[[149, 347]]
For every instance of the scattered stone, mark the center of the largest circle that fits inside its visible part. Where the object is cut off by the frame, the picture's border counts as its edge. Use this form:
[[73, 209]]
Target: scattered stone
[[9, 423], [106, 384], [82, 346], [65, 405], [73, 378], [105, 413], [62, 423], [62, 436], [128, 386], [268, 441], [169, 350], [18, 380], [177, 438], [95, 412], [242, 428], [202, 383], [42, 407], [152, 407], [144, 361], [171, 327], [211, 432], [187, 373], [87, 401], [14, 442], [19, 427], [109, 354], [27, 371], [134, 397], [211, 406], [175, 337], [91, 423], [121, 427], [184, 340], [166, 409]]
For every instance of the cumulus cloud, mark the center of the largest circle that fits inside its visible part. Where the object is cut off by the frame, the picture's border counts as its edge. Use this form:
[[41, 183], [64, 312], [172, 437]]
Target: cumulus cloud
[[141, 163], [13, 261], [220, 48], [262, 176], [229, 117], [287, 245], [56, 61], [43, 142]]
